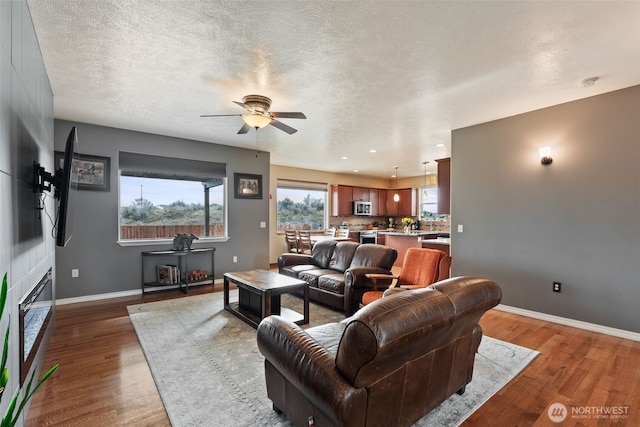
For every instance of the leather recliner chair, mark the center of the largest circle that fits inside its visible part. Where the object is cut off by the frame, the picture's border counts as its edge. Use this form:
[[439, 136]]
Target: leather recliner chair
[[387, 365]]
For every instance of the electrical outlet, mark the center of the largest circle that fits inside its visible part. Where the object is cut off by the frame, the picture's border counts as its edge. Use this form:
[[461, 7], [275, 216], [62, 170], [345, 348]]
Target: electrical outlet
[[75, 272], [235, 259], [557, 287]]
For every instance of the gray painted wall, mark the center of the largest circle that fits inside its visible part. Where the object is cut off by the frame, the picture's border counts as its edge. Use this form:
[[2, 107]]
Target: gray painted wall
[[104, 265], [26, 134], [576, 221]]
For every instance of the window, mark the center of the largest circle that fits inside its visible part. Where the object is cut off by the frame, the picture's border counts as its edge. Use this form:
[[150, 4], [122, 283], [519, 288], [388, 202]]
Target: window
[[301, 205], [161, 197], [428, 202]]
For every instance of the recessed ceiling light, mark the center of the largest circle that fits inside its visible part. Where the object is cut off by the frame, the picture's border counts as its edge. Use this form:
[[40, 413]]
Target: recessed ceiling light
[[344, 157], [373, 151], [440, 144], [588, 82], [356, 170]]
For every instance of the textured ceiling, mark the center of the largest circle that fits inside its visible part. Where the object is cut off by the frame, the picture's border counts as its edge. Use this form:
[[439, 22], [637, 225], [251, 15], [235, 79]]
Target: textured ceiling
[[391, 76]]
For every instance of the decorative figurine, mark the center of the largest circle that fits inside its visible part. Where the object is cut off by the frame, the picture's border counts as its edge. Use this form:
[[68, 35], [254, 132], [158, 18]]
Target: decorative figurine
[[190, 239], [179, 241], [183, 242]]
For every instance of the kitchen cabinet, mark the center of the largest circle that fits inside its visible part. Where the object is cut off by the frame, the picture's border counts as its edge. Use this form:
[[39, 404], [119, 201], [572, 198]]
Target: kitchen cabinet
[[360, 194], [341, 200], [407, 206], [392, 206], [375, 202], [444, 185], [382, 202]]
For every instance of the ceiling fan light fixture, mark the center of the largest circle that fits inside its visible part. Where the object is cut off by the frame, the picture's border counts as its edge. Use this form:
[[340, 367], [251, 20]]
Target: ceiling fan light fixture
[[257, 121]]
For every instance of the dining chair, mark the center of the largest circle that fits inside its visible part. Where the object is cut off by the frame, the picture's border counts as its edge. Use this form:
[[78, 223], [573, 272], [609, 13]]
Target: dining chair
[[304, 241], [342, 232], [292, 241], [421, 267], [331, 232]]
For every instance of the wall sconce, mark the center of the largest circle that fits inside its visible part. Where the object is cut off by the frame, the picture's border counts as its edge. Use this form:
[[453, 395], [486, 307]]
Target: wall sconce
[[545, 155]]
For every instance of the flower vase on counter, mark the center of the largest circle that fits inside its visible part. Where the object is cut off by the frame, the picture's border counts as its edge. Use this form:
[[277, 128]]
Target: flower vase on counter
[[407, 222]]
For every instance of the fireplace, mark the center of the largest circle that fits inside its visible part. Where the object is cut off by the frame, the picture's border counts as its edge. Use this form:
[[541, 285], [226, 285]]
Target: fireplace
[[36, 309]]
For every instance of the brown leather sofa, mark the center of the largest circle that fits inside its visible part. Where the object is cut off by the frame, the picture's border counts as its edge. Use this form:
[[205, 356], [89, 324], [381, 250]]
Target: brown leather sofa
[[388, 365], [336, 271]]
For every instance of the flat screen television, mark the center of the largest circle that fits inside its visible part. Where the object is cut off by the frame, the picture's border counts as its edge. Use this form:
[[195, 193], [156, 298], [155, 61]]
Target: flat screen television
[[67, 178], [65, 181]]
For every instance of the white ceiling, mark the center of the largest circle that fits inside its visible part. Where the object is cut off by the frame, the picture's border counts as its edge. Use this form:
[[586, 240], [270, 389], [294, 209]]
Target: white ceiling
[[393, 76]]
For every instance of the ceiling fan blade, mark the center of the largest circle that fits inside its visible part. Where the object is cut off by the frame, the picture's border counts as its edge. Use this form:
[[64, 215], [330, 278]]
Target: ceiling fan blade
[[283, 127], [219, 115], [244, 129], [245, 106], [289, 115]]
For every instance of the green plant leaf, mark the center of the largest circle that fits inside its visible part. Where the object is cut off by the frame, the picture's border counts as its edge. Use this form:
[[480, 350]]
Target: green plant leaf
[[3, 294], [29, 394], [5, 351]]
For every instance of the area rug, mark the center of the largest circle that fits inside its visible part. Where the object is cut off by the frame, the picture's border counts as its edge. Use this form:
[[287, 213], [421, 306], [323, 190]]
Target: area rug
[[209, 371]]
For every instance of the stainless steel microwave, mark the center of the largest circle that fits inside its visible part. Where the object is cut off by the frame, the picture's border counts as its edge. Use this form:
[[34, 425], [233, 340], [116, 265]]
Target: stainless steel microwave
[[361, 208]]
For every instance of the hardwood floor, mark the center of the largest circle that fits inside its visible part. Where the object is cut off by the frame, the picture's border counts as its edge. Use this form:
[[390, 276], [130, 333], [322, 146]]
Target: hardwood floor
[[104, 380]]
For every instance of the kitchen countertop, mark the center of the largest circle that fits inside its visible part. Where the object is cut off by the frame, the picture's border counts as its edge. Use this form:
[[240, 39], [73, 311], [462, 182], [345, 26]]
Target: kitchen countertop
[[412, 233], [437, 241]]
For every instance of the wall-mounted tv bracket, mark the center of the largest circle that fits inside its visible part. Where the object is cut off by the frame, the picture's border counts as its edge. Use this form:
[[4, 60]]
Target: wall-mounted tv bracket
[[43, 180]]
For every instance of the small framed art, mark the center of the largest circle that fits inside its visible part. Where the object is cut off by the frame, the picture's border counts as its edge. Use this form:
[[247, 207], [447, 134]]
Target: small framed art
[[247, 186], [93, 172]]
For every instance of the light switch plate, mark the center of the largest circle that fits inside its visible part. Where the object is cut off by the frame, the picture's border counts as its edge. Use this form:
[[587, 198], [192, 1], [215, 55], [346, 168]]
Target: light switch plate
[[460, 228]]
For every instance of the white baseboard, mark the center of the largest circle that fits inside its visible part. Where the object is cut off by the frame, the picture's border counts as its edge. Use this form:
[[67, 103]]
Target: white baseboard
[[571, 322], [515, 310], [110, 295]]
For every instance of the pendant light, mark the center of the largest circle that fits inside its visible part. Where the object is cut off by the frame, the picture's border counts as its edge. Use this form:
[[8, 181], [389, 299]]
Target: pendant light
[[396, 196], [425, 193]]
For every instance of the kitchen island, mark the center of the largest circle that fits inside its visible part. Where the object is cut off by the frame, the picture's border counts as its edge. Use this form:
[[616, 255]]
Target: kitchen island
[[401, 241], [440, 243]]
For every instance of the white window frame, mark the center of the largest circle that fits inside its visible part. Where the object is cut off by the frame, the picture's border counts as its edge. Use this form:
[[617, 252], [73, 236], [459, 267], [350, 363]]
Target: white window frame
[[434, 189], [156, 168], [283, 183]]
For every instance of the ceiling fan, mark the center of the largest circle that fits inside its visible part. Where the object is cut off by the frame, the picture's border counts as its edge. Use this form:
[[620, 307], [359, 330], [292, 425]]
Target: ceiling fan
[[259, 116]]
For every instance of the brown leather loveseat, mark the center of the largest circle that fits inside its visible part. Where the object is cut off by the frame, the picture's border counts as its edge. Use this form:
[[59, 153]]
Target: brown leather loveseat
[[388, 365], [336, 271]]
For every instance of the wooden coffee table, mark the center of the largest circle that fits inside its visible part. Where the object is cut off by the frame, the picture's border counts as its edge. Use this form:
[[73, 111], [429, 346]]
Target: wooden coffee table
[[259, 296]]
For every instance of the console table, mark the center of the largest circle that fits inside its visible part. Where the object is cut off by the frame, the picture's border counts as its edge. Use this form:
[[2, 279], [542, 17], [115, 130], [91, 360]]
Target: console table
[[174, 272]]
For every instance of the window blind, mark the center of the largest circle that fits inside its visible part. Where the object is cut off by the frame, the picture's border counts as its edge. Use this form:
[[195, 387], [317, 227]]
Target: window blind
[[301, 185], [149, 166]]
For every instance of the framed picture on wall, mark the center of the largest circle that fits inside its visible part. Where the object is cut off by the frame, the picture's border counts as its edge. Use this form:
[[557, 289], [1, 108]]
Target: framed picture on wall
[[247, 186], [93, 172]]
